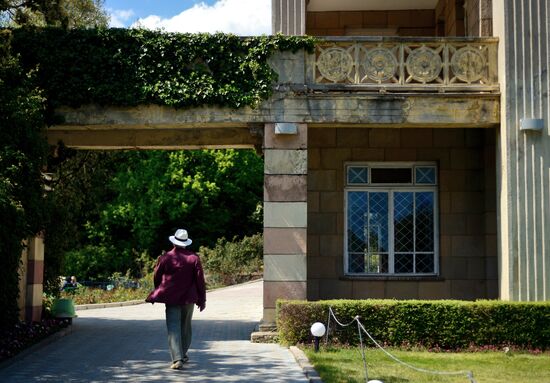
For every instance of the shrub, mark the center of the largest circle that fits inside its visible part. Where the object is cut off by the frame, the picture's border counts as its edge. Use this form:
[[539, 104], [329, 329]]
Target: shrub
[[234, 262], [96, 262], [443, 324]]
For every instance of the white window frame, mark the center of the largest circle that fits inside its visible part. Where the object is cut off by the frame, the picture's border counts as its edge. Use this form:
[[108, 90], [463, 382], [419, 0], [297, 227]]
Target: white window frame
[[390, 189]]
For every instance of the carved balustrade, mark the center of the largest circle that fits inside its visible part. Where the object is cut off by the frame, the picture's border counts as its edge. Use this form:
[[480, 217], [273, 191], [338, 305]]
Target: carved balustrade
[[405, 64]]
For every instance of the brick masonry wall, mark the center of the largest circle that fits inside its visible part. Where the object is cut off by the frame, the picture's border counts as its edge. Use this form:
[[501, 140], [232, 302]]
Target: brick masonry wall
[[467, 207], [341, 23]]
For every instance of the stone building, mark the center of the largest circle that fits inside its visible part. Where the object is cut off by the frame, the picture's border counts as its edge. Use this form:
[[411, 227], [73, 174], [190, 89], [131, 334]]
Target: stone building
[[428, 172], [407, 157]]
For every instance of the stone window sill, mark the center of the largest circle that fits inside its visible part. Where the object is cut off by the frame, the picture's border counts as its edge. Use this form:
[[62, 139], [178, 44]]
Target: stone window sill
[[415, 278]]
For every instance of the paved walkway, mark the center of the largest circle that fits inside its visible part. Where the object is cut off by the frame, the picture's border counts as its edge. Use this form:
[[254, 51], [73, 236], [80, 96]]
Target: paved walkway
[[128, 344]]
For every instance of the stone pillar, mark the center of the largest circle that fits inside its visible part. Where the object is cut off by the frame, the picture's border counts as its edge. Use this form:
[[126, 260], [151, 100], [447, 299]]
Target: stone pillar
[[288, 17], [523, 152], [35, 279], [21, 300], [285, 217]]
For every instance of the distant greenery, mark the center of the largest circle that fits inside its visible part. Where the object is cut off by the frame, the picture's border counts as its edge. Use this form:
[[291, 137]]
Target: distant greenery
[[148, 195], [229, 263], [61, 13], [345, 365]]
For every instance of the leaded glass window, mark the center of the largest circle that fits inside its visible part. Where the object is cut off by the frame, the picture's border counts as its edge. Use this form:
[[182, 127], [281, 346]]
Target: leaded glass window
[[391, 227]]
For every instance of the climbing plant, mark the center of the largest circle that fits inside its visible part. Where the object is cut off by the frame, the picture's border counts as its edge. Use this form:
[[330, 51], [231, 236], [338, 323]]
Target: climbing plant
[[22, 154], [135, 66]]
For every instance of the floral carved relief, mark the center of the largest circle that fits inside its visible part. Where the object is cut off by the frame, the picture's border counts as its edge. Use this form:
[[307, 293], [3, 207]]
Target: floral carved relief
[[424, 64], [380, 64], [335, 64], [468, 64]]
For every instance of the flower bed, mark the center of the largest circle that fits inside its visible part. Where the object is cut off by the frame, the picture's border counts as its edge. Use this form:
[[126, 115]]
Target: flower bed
[[23, 335]]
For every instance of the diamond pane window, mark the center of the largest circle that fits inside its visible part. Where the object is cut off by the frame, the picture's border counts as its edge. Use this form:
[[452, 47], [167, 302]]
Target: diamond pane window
[[391, 229], [404, 263], [357, 209], [377, 263], [424, 175], [424, 263], [403, 221], [377, 231], [358, 175], [424, 221]]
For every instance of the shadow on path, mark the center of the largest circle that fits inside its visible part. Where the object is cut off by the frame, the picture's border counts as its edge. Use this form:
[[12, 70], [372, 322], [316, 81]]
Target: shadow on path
[[128, 344]]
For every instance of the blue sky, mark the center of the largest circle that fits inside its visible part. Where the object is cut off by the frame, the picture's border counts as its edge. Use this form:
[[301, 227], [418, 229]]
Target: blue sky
[[242, 17]]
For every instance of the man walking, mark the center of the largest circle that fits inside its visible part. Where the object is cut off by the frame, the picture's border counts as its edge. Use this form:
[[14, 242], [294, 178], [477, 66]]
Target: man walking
[[179, 284]]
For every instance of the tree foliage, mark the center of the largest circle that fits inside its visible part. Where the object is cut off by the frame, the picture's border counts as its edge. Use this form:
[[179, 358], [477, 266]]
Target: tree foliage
[[212, 193], [77, 195], [61, 13]]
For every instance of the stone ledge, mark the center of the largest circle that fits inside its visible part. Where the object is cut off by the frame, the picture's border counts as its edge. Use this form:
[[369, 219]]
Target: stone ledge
[[305, 365], [264, 337], [426, 278], [106, 305]]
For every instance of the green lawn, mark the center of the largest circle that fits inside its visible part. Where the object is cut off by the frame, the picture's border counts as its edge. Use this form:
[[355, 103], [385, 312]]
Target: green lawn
[[337, 365]]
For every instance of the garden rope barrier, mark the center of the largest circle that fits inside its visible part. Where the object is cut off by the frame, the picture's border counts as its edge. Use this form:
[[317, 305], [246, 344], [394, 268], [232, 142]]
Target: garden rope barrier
[[360, 328]]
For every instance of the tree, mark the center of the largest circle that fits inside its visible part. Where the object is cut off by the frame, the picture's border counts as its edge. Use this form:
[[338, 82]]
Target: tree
[[61, 13], [212, 193]]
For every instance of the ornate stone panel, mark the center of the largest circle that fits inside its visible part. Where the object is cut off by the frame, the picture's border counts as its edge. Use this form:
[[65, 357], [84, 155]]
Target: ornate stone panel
[[335, 64], [380, 64], [468, 64], [424, 64], [403, 64]]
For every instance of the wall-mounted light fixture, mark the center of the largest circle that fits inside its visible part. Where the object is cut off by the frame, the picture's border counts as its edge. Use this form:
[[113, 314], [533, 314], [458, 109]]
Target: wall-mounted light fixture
[[286, 128], [531, 124]]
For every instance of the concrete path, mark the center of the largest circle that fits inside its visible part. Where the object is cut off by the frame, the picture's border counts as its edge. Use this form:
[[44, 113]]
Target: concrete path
[[128, 344]]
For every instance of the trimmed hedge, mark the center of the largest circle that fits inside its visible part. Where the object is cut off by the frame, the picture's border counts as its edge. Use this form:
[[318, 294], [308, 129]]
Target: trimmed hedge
[[445, 324]]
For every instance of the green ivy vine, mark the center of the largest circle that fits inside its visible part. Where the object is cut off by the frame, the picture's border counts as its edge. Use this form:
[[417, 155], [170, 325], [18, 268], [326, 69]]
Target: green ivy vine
[[135, 66]]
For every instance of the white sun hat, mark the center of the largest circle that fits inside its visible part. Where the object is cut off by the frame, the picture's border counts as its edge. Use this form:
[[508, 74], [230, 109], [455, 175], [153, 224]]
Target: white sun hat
[[181, 238]]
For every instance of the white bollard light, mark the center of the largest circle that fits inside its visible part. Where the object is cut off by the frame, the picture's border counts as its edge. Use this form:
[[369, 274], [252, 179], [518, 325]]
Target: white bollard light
[[317, 330]]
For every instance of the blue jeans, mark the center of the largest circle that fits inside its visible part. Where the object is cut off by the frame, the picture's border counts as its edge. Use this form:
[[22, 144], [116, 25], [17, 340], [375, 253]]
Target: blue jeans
[[178, 324]]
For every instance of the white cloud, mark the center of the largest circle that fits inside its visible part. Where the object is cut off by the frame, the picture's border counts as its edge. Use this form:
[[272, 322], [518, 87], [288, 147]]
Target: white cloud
[[119, 17], [241, 17]]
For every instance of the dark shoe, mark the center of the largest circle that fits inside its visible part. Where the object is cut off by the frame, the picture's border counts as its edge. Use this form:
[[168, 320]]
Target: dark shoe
[[177, 365], [185, 359]]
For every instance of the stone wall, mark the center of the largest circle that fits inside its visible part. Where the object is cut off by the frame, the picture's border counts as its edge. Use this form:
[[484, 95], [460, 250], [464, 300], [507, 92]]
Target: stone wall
[[479, 17], [450, 18], [467, 205]]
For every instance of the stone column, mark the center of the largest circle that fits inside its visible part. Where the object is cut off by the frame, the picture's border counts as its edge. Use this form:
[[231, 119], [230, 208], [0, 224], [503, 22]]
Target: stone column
[[285, 216], [523, 150], [35, 279], [22, 299], [288, 17]]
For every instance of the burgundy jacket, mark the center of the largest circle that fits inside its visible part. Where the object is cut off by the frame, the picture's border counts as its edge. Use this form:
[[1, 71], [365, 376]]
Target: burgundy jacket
[[179, 279]]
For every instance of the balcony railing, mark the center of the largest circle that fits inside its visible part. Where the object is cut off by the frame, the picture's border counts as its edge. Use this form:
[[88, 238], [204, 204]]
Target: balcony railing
[[404, 64]]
